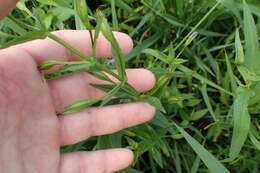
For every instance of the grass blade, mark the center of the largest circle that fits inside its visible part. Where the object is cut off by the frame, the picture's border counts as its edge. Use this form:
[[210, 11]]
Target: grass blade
[[29, 36], [252, 60], [241, 120], [77, 106], [111, 93], [207, 101], [210, 161], [116, 50], [69, 69], [82, 10], [145, 44], [254, 140], [202, 79]]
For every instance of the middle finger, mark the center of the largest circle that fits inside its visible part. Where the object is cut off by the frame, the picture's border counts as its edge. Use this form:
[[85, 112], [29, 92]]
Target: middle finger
[[71, 88]]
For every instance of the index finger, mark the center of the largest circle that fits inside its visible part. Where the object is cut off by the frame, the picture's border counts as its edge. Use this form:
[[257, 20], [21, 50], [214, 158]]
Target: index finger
[[6, 6], [47, 49]]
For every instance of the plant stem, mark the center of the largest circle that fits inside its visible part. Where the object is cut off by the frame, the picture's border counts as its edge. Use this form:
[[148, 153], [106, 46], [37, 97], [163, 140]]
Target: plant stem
[[195, 27]]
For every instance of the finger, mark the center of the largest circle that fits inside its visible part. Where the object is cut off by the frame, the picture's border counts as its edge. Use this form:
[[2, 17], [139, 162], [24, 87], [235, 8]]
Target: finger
[[6, 6], [69, 89], [99, 121], [103, 161], [48, 49]]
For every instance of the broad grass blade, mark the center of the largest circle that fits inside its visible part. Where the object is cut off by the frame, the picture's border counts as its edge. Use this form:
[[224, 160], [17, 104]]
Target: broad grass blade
[[252, 55], [241, 120]]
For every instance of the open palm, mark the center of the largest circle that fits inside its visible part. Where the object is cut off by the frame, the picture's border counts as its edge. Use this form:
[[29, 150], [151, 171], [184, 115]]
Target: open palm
[[31, 133]]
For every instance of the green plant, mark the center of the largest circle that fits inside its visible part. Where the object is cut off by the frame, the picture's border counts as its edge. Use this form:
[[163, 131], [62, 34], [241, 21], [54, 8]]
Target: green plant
[[205, 55]]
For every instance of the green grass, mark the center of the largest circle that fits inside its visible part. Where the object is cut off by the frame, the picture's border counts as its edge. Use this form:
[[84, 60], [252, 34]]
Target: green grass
[[208, 87]]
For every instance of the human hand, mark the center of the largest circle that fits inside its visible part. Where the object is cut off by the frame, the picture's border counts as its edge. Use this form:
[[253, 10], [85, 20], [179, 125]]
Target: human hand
[[31, 133]]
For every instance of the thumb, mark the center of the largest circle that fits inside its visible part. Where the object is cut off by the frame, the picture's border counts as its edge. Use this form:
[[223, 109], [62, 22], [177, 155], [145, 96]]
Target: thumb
[[6, 6]]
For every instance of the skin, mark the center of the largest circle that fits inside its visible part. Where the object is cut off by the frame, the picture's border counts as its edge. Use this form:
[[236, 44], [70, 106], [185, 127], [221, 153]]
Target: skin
[[31, 133]]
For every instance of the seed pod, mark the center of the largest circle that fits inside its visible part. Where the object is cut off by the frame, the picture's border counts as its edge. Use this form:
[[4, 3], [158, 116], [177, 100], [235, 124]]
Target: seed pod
[[46, 65], [77, 106]]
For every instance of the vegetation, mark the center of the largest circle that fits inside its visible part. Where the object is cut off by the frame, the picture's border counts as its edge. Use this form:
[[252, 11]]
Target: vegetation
[[205, 55]]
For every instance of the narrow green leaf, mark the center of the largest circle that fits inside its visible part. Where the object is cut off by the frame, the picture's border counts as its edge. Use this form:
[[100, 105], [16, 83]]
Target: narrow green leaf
[[82, 10], [141, 24], [16, 28], [69, 69], [46, 65], [116, 50], [164, 58], [207, 101], [157, 156], [153, 101], [131, 170], [231, 74], [255, 141], [202, 79], [5, 35], [21, 6], [159, 55], [240, 57], [29, 36], [96, 35], [252, 55], [114, 15], [101, 75], [111, 93], [68, 46], [248, 75], [162, 81], [231, 5], [22, 24], [123, 5], [77, 106], [209, 160], [145, 44], [198, 114], [195, 166], [58, 3], [121, 93]]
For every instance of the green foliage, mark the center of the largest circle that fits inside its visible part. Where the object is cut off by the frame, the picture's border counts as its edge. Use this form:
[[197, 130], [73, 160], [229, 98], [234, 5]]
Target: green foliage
[[205, 56]]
